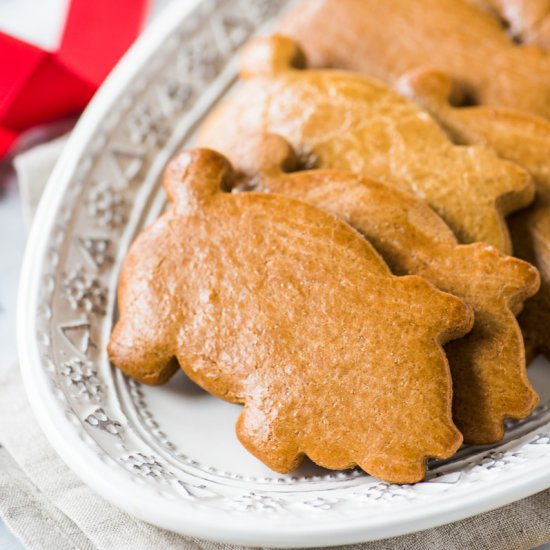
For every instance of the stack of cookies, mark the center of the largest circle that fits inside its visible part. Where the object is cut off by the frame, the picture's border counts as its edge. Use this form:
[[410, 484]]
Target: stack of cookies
[[338, 257]]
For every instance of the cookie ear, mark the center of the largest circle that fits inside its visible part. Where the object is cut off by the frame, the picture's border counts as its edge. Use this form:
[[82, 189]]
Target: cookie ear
[[267, 56], [430, 88], [195, 176], [262, 156]]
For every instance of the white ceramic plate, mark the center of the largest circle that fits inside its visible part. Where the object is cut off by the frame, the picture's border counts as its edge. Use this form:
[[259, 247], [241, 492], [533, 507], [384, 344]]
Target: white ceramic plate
[[169, 455]]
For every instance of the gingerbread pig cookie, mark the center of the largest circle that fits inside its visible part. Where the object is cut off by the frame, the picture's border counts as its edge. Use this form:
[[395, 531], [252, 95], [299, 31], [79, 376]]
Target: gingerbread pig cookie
[[273, 303], [528, 20], [517, 136], [531, 235], [343, 121], [386, 39], [488, 364]]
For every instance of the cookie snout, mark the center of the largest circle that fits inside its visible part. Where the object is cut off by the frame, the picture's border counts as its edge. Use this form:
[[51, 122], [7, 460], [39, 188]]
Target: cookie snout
[[455, 317], [458, 317], [194, 177]]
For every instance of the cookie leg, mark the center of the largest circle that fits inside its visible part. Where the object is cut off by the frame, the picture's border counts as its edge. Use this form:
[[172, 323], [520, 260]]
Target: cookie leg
[[489, 379], [139, 357], [393, 470], [270, 445]]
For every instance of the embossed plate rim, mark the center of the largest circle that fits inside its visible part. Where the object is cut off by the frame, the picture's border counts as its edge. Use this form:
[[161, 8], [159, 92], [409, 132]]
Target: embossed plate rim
[[138, 499]]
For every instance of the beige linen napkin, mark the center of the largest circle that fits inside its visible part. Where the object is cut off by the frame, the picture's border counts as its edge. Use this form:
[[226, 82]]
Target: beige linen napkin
[[48, 507]]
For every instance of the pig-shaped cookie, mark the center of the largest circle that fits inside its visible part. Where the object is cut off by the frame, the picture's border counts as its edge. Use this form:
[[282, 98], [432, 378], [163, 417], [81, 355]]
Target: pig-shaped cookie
[[339, 120], [411, 44], [528, 21], [488, 365], [273, 303], [386, 39], [517, 136]]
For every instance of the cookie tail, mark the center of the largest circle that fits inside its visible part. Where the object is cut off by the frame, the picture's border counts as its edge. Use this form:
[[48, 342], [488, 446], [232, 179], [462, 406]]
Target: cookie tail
[[195, 176]]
